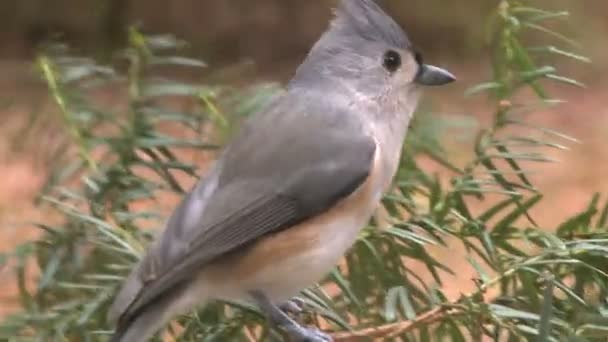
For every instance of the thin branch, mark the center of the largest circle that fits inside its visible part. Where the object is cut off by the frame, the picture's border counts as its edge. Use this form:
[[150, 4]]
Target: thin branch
[[435, 315], [394, 329]]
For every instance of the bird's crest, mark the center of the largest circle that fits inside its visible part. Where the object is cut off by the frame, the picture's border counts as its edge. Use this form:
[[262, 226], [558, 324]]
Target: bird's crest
[[367, 20]]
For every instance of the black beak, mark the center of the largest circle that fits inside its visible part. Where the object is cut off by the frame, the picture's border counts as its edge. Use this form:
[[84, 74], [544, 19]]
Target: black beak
[[429, 75]]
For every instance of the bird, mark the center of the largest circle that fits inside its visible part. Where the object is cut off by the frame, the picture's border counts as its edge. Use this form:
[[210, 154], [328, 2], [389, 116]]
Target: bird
[[288, 195]]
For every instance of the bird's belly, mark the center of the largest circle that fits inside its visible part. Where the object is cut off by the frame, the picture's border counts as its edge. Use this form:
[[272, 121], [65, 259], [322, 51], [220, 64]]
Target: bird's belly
[[309, 259], [284, 263]]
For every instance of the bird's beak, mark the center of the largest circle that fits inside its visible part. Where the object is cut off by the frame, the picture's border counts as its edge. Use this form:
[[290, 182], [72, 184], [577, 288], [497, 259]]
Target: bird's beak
[[430, 75]]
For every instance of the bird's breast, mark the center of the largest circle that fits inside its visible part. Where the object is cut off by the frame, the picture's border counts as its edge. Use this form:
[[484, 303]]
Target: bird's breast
[[285, 262]]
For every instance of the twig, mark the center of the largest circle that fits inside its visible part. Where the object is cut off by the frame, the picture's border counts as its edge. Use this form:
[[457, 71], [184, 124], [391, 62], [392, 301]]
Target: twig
[[394, 329]]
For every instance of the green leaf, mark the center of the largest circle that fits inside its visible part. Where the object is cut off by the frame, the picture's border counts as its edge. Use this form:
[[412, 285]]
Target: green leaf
[[566, 80], [461, 206], [532, 75], [582, 221], [552, 33], [178, 61], [603, 219], [546, 310], [569, 292], [480, 271], [49, 270], [79, 72], [521, 210], [161, 141], [523, 141], [526, 63], [409, 236], [511, 313], [546, 16], [560, 52], [513, 164], [546, 130], [483, 87], [406, 304], [592, 330], [344, 285], [171, 89], [390, 307], [499, 207], [520, 9]]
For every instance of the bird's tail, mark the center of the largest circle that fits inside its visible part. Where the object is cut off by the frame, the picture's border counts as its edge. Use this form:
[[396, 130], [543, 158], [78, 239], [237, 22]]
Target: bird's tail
[[141, 328]]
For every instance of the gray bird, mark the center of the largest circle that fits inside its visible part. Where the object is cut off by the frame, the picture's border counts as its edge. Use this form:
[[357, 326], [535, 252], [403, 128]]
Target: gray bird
[[288, 196]]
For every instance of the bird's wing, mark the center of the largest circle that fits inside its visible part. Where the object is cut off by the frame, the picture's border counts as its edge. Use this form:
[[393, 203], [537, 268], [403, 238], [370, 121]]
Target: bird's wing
[[275, 174]]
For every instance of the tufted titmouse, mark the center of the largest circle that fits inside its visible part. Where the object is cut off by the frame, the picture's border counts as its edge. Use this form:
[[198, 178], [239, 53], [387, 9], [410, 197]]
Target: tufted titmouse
[[290, 193]]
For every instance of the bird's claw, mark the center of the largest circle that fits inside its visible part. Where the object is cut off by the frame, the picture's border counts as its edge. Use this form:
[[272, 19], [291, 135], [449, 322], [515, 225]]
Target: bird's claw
[[293, 306], [309, 335]]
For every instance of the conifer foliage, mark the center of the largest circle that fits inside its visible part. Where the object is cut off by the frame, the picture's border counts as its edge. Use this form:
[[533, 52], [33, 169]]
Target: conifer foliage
[[533, 283]]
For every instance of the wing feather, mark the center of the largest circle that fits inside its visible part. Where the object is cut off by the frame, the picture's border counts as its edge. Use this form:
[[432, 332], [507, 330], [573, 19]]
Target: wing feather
[[263, 183]]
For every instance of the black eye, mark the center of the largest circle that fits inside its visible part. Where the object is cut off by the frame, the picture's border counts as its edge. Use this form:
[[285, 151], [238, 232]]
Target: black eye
[[392, 60]]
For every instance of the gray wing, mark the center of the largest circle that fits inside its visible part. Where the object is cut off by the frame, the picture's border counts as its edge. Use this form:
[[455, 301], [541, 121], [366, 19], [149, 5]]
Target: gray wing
[[274, 174]]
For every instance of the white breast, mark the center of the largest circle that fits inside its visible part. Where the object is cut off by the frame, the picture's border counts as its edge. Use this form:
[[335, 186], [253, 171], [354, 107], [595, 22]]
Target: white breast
[[283, 264], [335, 232]]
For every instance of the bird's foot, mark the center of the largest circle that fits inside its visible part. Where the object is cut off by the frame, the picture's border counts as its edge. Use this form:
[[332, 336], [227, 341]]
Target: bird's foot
[[280, 319], [293, 306], [298, 333]]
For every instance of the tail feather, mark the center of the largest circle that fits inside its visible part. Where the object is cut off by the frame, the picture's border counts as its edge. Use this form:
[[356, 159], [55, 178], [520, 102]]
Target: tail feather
[[143, 324], [142, 328]]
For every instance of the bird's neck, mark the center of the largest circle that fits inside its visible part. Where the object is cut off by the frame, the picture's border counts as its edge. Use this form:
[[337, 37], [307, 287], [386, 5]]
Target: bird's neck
[[390, 128]]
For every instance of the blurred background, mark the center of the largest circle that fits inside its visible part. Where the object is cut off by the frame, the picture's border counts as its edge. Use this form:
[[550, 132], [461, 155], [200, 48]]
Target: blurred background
[[261, 40]]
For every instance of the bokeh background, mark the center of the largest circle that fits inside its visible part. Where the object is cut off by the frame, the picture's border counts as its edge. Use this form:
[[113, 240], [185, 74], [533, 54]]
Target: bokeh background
[[248, 41]]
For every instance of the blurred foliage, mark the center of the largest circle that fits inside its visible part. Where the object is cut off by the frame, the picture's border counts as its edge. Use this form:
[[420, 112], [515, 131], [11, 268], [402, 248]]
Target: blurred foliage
[[534, 283], [229, 31]]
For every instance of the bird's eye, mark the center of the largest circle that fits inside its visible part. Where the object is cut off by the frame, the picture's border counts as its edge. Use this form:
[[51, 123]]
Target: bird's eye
[[392, 60]]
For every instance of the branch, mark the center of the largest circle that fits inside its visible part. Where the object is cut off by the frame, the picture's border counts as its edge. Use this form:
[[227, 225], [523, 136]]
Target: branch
[[394, 329], [435, 315]]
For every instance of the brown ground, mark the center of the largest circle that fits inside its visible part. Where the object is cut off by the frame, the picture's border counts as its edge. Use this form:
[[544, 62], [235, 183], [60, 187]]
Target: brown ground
[[568, 186]]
